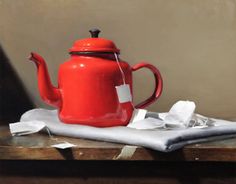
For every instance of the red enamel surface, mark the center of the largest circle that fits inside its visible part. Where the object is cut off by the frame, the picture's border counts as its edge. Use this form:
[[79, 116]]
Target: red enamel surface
[[94, 45], [86, 92]]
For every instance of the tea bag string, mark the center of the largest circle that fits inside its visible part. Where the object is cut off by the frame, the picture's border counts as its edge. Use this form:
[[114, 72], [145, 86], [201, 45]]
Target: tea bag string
[[122, 72], [50, 135]]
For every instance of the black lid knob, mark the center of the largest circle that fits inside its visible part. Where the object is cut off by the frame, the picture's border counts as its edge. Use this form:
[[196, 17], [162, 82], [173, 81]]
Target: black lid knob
[[94, 32]]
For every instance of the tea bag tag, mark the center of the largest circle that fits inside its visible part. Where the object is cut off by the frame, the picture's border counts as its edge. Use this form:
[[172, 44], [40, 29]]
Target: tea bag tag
[[123, 93], [27, 127], [64, 145]]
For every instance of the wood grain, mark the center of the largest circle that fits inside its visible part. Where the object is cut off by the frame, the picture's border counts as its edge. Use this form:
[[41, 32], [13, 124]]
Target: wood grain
[[38, 147], [30, 159]]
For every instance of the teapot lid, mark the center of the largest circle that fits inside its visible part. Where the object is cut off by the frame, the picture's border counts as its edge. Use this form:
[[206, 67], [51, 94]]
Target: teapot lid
[[94, 44]]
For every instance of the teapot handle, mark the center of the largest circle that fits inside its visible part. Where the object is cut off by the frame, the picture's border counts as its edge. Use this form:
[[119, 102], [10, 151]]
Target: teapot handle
[[158, 84]]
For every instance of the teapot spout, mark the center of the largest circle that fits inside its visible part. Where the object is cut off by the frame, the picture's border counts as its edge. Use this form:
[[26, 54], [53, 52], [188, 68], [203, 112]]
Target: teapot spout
[[50, 94]]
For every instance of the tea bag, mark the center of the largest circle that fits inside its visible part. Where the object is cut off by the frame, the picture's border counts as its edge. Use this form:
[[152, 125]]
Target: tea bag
[[148, 123], [180, 114], [138, 114], [34, 126], [27, 127]]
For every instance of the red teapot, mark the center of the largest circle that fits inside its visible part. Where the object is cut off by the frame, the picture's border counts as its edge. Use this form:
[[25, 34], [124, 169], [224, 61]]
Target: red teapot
[[94, 84]]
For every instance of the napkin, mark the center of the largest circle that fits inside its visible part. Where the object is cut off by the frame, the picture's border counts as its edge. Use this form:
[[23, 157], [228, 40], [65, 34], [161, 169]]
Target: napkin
[[161, 138]]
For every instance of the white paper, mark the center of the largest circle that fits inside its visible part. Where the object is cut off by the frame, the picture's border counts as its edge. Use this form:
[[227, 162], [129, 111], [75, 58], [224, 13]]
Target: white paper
[[123, 93], [138, 114], [126, 153], [180, 114], [162, 115], [148, 123], [27, 127], [64, 145]]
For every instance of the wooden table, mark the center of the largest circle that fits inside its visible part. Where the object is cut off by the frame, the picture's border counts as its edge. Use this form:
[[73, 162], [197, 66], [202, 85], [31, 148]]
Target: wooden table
[[38, 146], [23, 160]]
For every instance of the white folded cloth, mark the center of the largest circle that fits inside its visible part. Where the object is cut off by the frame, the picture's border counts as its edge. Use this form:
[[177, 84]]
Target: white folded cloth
[[161, 138]]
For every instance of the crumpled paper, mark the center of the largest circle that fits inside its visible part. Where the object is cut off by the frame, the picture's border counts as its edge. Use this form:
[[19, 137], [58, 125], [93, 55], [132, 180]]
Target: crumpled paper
[[181, 115]]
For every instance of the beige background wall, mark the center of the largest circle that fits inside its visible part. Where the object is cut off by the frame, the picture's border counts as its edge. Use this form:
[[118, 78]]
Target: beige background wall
[[192, 42]]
